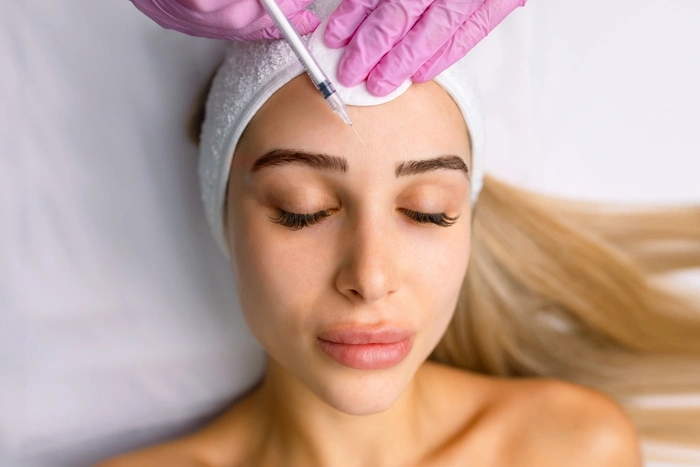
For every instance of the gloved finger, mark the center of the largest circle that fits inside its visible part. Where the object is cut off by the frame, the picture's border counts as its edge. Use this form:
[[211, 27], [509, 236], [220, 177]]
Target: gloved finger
[[437, 25], [345, 20], [479, 25], [206, 6], [234, 19], [376, 36], [259, 20], [161, 14], [305, 22]]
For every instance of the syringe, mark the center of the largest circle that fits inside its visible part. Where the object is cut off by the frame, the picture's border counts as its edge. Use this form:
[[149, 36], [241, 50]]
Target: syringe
[[314, 71]]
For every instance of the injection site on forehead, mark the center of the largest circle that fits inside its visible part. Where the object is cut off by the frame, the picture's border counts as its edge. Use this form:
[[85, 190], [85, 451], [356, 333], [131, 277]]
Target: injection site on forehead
[[339, 164]]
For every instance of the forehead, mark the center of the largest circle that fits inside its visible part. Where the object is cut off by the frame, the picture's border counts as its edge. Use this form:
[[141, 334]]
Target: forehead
[[423, 121]]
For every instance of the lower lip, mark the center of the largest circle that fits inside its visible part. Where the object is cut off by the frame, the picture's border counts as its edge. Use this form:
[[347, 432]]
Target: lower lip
[[368, 356]]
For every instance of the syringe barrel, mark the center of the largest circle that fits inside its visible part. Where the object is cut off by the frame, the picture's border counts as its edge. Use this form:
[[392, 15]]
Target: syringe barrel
[[295, 42], [338, 107]]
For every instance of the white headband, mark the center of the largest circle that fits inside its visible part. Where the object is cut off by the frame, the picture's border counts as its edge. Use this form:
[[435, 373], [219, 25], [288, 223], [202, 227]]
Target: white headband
[[253, 71]]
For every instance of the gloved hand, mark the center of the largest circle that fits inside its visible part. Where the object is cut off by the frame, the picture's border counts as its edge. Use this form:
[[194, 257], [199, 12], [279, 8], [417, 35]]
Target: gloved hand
[[239, 20], [391, 40]]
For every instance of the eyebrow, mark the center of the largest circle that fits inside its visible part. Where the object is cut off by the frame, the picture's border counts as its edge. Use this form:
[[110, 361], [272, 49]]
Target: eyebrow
[[328, 163]]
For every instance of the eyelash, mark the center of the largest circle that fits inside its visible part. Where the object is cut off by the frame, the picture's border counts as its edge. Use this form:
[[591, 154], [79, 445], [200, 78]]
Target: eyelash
[[299, 221]]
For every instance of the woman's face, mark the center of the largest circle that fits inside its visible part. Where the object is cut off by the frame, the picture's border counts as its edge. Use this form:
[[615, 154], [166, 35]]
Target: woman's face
[[354, 302]]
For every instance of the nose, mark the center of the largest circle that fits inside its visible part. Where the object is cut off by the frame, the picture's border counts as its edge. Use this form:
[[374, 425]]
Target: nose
[[370, 267]]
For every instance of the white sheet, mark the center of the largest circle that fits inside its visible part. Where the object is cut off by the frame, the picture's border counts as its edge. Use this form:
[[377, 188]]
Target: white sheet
[[118, 319], [596, 99]]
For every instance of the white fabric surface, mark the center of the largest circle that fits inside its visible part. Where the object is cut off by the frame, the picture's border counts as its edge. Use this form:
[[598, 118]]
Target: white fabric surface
[[118, 322]]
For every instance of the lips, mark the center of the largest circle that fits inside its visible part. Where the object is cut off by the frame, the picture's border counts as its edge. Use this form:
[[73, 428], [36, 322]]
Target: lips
[[367, 349]]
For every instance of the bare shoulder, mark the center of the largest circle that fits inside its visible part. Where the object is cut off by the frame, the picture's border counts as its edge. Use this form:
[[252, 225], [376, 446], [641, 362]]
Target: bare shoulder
[[214, 445], [178, 453], [559, 422]]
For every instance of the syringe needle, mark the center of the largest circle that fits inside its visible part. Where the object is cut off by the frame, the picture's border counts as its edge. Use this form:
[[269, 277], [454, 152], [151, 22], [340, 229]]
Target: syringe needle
[[358, 136]]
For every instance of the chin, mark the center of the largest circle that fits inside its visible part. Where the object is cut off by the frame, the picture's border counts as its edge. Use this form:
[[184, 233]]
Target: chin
[[362, 392]]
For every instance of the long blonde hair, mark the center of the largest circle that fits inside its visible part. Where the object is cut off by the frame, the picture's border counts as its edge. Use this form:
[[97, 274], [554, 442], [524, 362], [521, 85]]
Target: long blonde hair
[[574, 291]]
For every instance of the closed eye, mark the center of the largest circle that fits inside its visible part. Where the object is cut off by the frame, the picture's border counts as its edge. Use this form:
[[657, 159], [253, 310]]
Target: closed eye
[[298, 221], [441, 219], [295, 221]]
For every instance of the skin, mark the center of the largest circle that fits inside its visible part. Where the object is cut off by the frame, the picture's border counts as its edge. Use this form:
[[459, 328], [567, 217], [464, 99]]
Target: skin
[[369, 263]]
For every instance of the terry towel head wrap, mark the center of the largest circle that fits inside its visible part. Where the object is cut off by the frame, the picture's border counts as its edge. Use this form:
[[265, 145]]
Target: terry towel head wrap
[[252, 71]]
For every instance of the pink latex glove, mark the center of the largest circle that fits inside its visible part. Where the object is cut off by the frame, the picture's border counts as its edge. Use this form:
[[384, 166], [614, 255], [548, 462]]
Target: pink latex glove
[[389, 41], [238, 20]]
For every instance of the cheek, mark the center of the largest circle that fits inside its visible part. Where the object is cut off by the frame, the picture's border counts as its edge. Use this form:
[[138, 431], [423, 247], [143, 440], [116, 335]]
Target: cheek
[[279, 278], [440, 279]]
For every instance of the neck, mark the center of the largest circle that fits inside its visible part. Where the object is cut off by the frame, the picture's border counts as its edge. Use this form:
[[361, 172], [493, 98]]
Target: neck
[[301, 429]]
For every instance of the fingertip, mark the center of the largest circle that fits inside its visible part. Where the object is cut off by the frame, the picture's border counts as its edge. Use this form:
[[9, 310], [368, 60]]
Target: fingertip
[[348, 71], [333, 40], [437, 63], [428, 71], [268, 33], [379, 86], [424, 74], [305, 22], [345, 79], [379, 90]]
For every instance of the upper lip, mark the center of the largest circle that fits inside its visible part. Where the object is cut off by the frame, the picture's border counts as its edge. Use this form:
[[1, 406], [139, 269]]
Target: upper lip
[[366, 335]]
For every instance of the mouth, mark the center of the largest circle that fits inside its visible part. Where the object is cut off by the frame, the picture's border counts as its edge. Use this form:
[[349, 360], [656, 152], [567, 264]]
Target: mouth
[[367, 349]]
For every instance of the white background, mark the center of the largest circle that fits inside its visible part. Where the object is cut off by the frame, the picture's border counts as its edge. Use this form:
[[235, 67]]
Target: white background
[[118, 321]]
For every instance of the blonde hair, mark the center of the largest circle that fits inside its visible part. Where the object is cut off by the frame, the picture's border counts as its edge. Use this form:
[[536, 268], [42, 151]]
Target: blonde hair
[[574, 291]]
